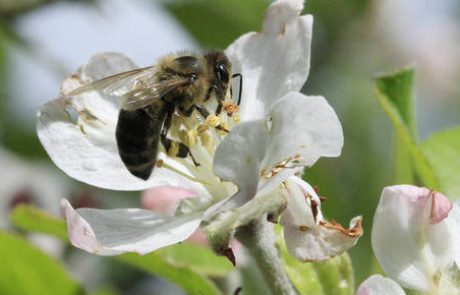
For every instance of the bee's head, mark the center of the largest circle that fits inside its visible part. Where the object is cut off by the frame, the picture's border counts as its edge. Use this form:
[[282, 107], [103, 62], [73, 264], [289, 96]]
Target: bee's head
[[220, 69]]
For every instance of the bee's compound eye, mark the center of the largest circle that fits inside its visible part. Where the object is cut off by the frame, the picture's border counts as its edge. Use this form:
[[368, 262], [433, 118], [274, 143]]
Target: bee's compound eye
[[222, 73]]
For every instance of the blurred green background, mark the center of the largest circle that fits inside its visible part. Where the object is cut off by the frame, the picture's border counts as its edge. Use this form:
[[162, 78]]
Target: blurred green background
[[43, 41]]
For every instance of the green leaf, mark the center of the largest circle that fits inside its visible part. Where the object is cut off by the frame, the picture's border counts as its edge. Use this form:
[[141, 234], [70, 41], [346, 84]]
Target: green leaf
[[443, 152], [105, 291], [198, 258], [332, 277], [27, 270], [31, 219], [394, 92], [216, 23], [190, 281]]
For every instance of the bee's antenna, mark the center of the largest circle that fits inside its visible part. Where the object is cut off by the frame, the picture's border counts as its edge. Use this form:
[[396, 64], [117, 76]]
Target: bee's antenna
[[241, 86]]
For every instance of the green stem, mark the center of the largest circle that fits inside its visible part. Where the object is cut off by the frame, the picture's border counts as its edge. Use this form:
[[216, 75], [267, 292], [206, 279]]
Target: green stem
[[258, 237]]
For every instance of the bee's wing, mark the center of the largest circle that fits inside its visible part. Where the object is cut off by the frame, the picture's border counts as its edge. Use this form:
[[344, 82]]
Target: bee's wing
[[114, 83], [147, 91], [137, 88]]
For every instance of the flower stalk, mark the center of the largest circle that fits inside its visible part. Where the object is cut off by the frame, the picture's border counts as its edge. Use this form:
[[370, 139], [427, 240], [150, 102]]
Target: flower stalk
[[258, 237]]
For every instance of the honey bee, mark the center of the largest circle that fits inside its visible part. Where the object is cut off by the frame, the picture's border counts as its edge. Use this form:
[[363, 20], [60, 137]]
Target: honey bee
[[150, 96]]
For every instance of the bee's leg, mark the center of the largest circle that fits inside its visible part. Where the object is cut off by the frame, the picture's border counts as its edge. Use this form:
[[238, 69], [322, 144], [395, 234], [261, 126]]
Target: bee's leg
[[202, 110], [220, 102], [188, 112], [183, 150], [205, 113], [219, 107]]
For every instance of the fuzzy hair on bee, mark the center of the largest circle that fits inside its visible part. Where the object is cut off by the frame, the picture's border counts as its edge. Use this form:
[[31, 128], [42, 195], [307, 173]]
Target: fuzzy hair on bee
[[179, 83]]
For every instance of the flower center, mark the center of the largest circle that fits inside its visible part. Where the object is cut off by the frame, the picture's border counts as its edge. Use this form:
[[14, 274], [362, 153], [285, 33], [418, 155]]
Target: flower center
[[202, 136]]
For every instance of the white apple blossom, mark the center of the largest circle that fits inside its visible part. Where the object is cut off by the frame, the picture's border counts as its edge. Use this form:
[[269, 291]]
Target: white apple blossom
[[242, 175], [415, 239], [379, 285]]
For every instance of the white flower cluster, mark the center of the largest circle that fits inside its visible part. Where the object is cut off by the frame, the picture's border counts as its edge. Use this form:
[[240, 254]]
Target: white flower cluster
[[242, 175]]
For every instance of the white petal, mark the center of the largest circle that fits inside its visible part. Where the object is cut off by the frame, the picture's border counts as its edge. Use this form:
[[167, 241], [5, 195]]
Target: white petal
[[79, 132], [454, 222], [260, 154], [409, 248], [308, 237], [116, 231], [274, 61], [298, 211], [303, 128], [239, 156], [378, 285]]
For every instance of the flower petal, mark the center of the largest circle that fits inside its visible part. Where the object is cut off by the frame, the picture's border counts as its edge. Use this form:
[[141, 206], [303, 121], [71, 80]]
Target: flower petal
[[454, 221], [258, 155], [307, 236], [79, 132], [274, 61], [239, 156], [165, 199], [116, 231], [410, 249], [302, 199], [440, 207], [379, 285], [303, 129]]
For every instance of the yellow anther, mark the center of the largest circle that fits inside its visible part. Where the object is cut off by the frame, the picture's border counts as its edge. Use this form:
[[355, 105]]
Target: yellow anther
[[206, 140], [173, 149], [202, 128], [230, 107], [188, 137], [183, 137], [191, 137], [223, 130], [236, 118], [212, 121]]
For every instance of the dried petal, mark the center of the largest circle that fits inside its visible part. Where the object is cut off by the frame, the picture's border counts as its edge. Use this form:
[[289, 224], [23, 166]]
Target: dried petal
[[308, 237]]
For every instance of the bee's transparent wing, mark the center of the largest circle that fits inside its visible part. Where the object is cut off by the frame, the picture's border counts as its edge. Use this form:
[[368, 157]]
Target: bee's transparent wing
[[136, 88], [145, 92], [117, 82]]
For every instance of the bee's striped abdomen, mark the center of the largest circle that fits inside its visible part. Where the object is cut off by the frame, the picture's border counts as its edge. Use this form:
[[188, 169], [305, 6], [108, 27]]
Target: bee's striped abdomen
[[138, 135]]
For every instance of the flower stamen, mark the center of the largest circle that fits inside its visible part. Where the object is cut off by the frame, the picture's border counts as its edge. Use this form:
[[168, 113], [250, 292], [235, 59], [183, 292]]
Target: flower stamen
[[162, 164], [289, 163], [230, 108]]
